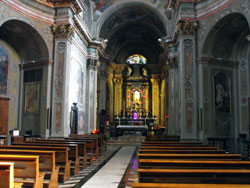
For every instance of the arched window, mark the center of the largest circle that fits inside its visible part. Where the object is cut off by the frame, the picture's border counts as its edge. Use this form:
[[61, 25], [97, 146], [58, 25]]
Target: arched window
[[136, 59]]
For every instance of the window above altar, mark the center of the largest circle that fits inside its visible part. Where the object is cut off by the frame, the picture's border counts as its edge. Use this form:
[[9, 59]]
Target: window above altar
[[136, 59]]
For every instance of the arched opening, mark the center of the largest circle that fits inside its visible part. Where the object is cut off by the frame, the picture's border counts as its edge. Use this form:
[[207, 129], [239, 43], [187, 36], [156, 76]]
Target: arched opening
[[132, 32], [27, 76], [226, 51]]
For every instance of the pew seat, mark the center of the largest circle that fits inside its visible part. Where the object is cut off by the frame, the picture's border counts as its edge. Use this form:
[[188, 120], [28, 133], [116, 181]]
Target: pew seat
[[7, 176], [61, 157], [47, 163], [224, 176], [190, 156], [192, 164], [187, 185], [26, 169]]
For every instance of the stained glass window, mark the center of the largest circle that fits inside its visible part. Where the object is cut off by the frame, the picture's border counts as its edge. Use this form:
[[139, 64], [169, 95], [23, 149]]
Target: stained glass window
[[136, 59]]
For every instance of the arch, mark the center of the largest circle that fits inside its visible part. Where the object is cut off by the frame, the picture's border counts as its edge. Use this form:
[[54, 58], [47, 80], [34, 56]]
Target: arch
[[18, 33], [216, 28], [115, 7]]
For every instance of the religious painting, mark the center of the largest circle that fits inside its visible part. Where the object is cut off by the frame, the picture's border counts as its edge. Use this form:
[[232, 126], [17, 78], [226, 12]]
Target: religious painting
[[222, 93], [32, 98], [4, 65]]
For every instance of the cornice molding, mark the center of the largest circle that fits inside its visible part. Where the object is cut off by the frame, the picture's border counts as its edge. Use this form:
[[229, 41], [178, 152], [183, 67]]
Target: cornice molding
[[74, 4], [217, 62], [29, 12], [176, 3], [37, 64]]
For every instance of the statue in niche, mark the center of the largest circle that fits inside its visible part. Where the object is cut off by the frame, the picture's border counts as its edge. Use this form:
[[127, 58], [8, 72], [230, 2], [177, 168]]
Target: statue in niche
[[222, 88], [144, 72], [129, 71]]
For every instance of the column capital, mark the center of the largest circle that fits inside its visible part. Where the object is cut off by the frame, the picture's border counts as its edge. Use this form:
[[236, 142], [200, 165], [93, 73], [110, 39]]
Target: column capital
[[186, 27], [62, 31], [117, 81], [172, 63], [93, 64]]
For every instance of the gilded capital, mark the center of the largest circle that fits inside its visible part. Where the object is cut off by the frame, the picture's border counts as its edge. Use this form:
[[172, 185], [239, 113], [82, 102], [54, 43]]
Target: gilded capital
[[186, 27], [62, 31]]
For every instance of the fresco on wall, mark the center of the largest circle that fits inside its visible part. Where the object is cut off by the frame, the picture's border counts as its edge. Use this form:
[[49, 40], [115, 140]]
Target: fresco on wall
[[32, 98], [222, 93], [4, 66], [99, 6], [76, 82]]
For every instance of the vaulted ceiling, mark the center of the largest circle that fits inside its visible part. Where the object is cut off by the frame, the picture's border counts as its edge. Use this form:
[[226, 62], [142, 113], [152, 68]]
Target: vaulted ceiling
[[133, 30]]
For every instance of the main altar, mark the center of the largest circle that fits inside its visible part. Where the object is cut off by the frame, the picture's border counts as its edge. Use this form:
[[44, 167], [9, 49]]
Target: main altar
[[136, 106]]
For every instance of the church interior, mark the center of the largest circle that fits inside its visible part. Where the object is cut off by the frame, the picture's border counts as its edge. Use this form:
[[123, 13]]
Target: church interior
[[131, 93]]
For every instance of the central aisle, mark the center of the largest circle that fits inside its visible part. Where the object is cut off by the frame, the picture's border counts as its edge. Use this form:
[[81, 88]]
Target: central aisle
[[110, 175]]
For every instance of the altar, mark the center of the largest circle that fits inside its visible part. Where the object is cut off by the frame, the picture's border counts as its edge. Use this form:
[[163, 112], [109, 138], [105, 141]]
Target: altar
[[143, 124]]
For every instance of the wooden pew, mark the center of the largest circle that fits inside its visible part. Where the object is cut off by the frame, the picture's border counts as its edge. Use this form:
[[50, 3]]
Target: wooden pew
[[179, 147], [162, 138], [185, 164], [226, 176], [91, 147], [186, 185], [95, 140], [181, 151], [26, 169], [7, 176], [61, 157], [72, 152], [47, 163], [190, 156], [82, 148], [171, 142], [101, 141]]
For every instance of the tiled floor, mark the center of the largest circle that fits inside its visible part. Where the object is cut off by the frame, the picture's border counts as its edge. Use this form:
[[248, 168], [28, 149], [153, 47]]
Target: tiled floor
[[110, 175], [109, 170]]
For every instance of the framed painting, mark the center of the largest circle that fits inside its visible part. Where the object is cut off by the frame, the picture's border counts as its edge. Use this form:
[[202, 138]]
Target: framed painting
[[222, 87], [4, 68], [32, 93]]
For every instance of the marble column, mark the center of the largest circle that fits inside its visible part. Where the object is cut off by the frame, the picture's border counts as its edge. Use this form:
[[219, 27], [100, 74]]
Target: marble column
[[187, 66], [60, 117], [92, 65]]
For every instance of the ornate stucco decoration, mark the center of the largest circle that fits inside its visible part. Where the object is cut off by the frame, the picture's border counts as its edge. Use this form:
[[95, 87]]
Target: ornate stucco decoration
[[63, 31], [93, 64], [172, 63], [186, 27], [74, 4]]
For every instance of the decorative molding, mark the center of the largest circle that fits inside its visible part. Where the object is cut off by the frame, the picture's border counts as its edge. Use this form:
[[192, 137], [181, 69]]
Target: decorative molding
[[243, 64], [172, 63], [217, 62], [62, 31], [93, 64], [35, 64], [176, 3], [29, 12], [74, 4], [244, 100], [186, 27]]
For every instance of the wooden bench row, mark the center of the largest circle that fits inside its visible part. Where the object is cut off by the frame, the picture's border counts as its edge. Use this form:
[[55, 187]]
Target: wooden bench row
[[187, 164], [55, 159]]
